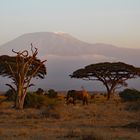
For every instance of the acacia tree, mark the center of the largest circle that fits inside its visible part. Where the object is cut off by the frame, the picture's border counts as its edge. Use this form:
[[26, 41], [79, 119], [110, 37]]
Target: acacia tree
[[21, 69], [112, 75]]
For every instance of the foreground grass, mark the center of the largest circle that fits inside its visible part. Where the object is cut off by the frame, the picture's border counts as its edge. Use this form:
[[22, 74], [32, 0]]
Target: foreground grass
[[100, 120]]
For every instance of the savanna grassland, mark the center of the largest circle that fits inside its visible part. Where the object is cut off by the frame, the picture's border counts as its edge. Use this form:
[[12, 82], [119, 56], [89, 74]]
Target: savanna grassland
[[100, 120]]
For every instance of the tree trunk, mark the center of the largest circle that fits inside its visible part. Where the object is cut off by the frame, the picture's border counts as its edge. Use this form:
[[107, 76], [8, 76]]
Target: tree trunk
[[110, 92], [21, 105], [20, 102], [20, 99], [108, 95]]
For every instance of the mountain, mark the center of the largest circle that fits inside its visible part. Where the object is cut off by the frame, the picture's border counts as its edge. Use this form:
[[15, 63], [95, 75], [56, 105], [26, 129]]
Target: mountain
[[65, 53]]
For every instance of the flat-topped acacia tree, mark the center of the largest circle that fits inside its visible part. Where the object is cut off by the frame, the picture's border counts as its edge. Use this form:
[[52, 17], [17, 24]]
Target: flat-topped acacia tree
[[112, 75], [21, 69]]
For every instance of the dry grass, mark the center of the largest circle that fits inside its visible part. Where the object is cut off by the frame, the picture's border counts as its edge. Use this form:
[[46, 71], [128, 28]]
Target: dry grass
[[100, 120]]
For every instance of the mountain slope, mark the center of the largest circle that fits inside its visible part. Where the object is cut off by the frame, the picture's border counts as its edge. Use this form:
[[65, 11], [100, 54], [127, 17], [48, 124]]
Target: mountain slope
[[66, 53]]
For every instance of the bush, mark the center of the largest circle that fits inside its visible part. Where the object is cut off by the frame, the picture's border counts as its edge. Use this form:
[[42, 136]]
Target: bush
[[40, 91], [52, 93], [130, 95], [37, 101], [133, 106], [34, 100], [11, 95]]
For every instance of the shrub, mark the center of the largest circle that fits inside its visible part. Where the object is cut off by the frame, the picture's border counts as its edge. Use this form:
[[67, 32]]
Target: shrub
[[133, 106], [40, 91], [52, 93], [130, 95], [11, 95], [36, 101]]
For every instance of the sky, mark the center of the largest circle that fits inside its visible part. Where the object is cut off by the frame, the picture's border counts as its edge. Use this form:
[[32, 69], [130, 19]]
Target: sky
[[114, 22]]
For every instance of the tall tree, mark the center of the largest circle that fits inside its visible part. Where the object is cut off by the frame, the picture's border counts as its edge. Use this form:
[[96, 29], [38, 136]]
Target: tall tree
[[21, 69], [112, 75]]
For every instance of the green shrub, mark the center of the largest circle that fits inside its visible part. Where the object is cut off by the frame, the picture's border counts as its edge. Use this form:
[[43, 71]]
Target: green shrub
[[130, 95], [11, 95], [40, 91], [52, 93], [36, 101], [133, 106]]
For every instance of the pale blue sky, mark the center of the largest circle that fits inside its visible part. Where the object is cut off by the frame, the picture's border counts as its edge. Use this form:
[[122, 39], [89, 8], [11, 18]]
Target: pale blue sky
[[106, 21]]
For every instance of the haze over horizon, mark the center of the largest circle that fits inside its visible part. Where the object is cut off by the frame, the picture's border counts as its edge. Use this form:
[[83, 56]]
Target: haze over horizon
[[93, 21], [64, 54], [101, 30]]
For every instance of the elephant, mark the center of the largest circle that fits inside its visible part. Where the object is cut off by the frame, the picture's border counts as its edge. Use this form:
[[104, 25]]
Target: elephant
[[73, 95]]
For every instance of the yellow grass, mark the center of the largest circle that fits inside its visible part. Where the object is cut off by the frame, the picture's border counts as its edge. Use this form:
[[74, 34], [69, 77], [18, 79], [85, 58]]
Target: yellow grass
[[100, 120]]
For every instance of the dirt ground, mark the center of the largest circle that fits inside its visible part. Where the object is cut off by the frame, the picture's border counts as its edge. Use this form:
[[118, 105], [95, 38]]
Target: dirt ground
[[100, 120]]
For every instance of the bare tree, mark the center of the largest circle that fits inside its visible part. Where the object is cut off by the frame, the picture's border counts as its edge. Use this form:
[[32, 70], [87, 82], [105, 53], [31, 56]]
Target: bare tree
[[21, 69]]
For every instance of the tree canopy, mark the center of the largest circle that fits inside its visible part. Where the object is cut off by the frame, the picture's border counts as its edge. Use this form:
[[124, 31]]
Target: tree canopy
[[21, 69], [8, 67], [112, 75]]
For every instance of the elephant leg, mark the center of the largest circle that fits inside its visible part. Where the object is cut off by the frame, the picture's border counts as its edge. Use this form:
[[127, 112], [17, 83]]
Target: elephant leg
[[74, 100], [85, 101]]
